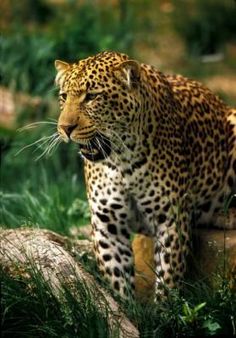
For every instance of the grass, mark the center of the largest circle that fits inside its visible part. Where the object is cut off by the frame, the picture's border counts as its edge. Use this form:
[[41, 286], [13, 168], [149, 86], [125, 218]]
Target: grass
[[37, 312], [48, 193], [196, 311]]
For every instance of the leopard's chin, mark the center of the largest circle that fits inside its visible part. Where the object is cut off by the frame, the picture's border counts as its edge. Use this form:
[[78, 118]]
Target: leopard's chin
[[97, 149]]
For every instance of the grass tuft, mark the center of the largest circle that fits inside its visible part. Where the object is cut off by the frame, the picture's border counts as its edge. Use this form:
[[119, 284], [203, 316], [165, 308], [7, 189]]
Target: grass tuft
[[35, 311]]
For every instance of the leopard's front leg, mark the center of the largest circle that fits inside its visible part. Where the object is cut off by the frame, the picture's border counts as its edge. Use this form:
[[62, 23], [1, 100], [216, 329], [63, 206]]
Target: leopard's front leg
[[112, 247], [171, 248], [110, 218]]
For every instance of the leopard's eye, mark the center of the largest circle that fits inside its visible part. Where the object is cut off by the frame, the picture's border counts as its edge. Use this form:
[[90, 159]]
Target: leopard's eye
[[90, 96], [63, 96]]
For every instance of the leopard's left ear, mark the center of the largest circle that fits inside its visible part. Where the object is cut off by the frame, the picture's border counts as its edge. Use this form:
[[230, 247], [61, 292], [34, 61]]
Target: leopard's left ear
[[128, 73], [61, 68]]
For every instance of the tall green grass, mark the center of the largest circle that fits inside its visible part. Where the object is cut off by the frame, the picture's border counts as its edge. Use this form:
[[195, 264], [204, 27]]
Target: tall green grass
[[196, 311], [73, 32], [47, 193], [31, 309]]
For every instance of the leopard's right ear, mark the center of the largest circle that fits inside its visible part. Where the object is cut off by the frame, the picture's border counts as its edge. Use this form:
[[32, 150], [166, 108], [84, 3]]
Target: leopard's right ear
[[61, 68], [128, 73]]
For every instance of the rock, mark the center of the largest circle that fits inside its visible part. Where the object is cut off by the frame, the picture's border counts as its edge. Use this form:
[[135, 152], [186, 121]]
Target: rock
[[13, 104], [83, 231], [213, 256]]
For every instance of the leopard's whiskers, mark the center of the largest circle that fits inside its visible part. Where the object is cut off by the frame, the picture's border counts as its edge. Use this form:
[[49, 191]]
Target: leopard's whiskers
[[36, 124], [52, 145], [38, 143], [114, 146], [101, 147]]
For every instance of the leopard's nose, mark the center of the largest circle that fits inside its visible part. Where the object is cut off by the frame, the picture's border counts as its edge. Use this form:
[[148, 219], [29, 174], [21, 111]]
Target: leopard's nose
[[68, 128]]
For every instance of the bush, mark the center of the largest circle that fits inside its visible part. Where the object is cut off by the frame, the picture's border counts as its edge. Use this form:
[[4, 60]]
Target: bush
[[205, 25], [74, 32]]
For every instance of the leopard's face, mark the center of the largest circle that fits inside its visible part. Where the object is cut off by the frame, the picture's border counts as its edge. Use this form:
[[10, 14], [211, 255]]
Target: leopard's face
[[98, 100]]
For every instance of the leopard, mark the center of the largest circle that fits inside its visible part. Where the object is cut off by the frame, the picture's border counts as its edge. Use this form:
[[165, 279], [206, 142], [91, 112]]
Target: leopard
[[159, 155]]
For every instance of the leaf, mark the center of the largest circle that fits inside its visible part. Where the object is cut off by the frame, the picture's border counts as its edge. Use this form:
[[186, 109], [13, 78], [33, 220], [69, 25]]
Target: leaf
[[199, 307], [211, 327], [79, 208], [186, 309]]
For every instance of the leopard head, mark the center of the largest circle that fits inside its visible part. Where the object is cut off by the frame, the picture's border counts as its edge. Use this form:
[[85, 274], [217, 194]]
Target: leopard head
[[99, 99]]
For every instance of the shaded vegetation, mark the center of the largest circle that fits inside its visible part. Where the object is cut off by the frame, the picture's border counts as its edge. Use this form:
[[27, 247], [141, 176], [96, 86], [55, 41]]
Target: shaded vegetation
[[207, 25], [73, 32], [197, 311], [36, 312]]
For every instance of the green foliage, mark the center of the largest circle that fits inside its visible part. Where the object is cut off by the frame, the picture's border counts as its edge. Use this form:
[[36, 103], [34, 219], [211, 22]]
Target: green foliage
[[205, 25], [41, 193], [30, 69], [190, 315], [72, 33], [31, 309], [193, 318], [196, 311], [79, 208], [28, 11]]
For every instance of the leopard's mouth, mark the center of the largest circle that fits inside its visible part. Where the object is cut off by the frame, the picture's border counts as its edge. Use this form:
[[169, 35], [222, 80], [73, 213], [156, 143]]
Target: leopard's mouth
[[97, 149]]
